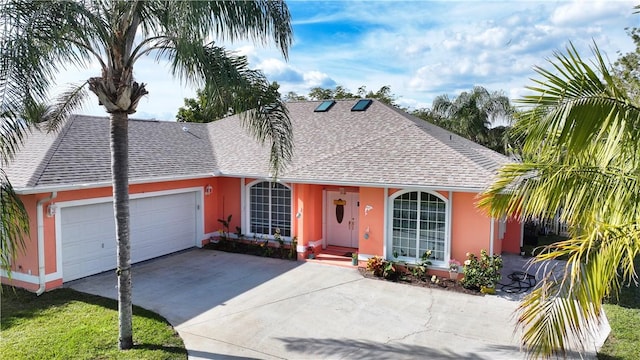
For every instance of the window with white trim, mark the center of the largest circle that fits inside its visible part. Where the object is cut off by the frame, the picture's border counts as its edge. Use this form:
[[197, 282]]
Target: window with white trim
[[419, 224], [269, 208]]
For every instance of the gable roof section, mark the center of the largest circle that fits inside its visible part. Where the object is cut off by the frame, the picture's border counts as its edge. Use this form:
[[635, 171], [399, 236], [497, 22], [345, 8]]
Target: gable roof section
[[380, 146]]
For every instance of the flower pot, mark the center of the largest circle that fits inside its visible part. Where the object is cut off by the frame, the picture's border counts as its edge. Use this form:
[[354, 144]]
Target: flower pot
[[311, 256], [453, 275], [354, 262]]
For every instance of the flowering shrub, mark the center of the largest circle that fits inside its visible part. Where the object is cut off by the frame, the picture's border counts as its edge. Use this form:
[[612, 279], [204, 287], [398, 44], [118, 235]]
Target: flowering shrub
[[380, 267], [454, 265], [483, 271], [376, 265]]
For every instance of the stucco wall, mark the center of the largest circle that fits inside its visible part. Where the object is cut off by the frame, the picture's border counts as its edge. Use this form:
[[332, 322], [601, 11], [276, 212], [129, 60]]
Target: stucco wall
[[373, 221], [470, 229], [26, 265]]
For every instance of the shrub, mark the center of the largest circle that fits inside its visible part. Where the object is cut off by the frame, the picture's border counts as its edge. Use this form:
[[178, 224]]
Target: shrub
[[419, 270], [376, 265], [483, 271], [392, 270]]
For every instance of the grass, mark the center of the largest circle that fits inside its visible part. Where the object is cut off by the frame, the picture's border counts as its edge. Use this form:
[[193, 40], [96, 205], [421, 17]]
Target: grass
[[66, 324], [623, 313], [624, 317]]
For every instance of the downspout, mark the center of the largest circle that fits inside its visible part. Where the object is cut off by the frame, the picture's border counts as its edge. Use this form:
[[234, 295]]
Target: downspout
[[492, 237], [40, 220]]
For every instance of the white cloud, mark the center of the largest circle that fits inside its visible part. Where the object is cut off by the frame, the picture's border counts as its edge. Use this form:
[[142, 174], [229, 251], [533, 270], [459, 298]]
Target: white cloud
[[580, 12], [420, 48]]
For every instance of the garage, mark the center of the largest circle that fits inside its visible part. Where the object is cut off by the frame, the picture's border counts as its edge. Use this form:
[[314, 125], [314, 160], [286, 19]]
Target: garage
[[159, 225]]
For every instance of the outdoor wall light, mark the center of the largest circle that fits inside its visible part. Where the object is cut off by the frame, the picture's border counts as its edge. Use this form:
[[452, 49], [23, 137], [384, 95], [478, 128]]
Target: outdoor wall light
[[51, 210], [208, 190], [299, 214]]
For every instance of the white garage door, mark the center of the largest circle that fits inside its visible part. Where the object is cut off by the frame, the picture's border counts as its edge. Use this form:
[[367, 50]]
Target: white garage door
[[159, 225]]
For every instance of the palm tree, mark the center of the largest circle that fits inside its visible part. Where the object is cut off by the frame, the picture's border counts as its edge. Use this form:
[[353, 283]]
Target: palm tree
[[471, 114], [14, 219], [581, 155], [39, 37]]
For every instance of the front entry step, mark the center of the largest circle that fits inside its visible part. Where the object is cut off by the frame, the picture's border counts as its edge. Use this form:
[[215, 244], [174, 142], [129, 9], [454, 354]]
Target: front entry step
[[335, 255]]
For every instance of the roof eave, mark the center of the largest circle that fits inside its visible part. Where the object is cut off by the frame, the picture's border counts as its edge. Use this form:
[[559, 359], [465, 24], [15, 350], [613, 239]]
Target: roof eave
[[100, 184], [469, 189]]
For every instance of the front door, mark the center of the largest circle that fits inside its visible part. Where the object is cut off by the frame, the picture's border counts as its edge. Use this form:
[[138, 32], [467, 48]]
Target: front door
[[342, 219]]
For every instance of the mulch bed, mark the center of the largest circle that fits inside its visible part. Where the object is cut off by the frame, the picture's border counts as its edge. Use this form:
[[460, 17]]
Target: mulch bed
[[409, 279], [253, 248]]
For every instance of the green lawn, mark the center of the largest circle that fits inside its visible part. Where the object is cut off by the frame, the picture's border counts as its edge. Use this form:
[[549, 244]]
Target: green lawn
[[66, 324], [624, 317]]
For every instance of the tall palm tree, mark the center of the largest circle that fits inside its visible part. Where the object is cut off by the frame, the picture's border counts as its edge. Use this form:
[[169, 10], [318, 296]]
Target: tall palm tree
[[581, 155], [471, 113], [39, 37]]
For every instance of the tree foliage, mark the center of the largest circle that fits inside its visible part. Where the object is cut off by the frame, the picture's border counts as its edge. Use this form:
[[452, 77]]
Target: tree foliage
[[14, 218], [581, 156], [383, 94], [627, 67], [473, 115], [207, 108], [40, 37]]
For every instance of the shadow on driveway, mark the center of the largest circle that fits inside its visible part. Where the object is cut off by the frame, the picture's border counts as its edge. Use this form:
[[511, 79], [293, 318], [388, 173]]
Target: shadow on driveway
[[362, 349], [182, 286]]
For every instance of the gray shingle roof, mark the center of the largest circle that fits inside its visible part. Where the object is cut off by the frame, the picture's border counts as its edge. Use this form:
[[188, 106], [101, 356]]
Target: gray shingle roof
[[380, 146], [79, 153]]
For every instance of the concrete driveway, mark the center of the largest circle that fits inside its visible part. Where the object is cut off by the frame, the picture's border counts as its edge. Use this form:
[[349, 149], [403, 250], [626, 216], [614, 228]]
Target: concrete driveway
[[230, 306]]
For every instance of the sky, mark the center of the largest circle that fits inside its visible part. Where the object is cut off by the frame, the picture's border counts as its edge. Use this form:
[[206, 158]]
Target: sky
[[421, 49]]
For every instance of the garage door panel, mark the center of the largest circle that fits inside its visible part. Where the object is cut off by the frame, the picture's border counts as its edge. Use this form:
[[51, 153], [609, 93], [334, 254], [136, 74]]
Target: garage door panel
[[158, 225]]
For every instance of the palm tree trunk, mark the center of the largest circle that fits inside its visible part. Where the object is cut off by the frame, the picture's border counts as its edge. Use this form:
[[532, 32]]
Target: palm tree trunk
[[120, 177]]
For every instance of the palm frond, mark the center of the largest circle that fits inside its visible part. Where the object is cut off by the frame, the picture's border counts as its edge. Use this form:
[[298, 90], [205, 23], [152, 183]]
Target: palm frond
[[66, 103], [35, 46], [567, 311], [580, 156], [14, 221], [231, 20], [232, 85]]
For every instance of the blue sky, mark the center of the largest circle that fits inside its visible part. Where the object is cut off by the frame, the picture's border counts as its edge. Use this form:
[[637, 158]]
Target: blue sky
[[422, 49]]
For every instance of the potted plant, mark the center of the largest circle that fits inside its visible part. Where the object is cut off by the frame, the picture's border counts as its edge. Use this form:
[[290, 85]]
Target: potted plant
[[354, 258], [522, 251], [454, 266], [310, 253]]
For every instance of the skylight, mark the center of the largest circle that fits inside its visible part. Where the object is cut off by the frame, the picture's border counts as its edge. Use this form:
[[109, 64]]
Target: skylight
[[325, 106], [361, 105]]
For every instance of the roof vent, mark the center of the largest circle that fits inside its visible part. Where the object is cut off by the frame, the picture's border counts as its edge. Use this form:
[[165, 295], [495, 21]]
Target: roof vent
[[325, 106], [362, 105]]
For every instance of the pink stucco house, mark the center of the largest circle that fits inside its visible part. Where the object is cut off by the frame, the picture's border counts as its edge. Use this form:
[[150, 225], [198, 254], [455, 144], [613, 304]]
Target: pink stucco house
[[364, 175]]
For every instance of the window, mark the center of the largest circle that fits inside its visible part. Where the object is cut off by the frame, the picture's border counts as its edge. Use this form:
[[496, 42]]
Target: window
[[325, 106], [269, 208], [361, 105], [419, 224]]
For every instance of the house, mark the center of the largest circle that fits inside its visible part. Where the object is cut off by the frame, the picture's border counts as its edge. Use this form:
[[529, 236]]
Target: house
[[364, 175]]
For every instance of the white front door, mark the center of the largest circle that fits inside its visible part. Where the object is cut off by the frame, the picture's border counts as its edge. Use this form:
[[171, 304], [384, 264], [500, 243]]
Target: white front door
[[342, 219]]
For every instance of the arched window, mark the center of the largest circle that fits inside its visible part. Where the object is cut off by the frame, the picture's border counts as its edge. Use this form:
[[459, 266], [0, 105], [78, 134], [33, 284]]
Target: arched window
[[269, 208], [418, 225]]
